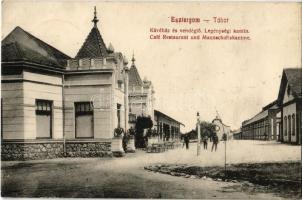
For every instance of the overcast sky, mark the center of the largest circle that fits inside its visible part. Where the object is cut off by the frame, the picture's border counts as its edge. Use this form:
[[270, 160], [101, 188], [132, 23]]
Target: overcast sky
[[237, 78]]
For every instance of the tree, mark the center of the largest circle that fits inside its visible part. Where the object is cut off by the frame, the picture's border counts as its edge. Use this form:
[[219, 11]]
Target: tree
[[206, 129], [141, 124]]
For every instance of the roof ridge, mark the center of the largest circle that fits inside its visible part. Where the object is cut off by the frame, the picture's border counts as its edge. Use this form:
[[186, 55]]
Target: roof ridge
[[26, 46], [40, 41]]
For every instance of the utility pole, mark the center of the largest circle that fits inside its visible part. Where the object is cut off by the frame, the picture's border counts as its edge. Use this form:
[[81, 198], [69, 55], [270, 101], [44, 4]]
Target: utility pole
[[198, 134]]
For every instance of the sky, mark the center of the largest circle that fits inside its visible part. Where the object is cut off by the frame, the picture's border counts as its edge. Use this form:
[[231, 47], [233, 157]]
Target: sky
[[236, 78]]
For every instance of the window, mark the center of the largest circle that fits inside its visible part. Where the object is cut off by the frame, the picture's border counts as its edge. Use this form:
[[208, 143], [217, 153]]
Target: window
[[120, 84], [43, 118], [294, 124], [289, 125], [84, 120], [285, 126], [119, 115], [288, 90]]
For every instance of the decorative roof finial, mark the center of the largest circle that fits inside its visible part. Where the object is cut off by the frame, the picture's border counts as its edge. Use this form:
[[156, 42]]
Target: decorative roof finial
[[95, 19], [133, 59]]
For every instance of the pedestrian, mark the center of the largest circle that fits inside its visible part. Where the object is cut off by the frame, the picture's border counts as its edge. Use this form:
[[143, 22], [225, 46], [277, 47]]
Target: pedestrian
[[187, 141], [183, 139], [205, 142], [215, 142], [125, 141]]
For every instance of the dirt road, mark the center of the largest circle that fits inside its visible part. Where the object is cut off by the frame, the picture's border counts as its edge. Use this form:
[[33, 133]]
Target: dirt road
[[112, 178]]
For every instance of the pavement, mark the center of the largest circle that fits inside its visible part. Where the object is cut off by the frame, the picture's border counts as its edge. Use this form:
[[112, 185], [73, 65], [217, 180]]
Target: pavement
[[126, 178]]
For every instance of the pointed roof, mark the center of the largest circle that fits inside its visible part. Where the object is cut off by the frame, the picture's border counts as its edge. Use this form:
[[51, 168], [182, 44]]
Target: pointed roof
[[21, 45], [134, 77], [292, 76], [94, 45]]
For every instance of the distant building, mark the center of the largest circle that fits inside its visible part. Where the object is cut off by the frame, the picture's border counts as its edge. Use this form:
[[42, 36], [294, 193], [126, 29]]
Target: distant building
[[281, 120], [263, 126], [290, 102], [166, 127], [237, 134], [53, 105], [141, 96], [222, 127]]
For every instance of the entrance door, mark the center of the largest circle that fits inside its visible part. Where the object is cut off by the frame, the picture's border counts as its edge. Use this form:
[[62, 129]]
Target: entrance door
[[84, 120]]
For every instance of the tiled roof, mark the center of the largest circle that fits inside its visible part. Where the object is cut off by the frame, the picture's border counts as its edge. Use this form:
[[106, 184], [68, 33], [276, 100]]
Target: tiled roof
[[21, 45], [134, 77], [93, 46], [294, 78], [257, 117], [159, 113], [272, 106]]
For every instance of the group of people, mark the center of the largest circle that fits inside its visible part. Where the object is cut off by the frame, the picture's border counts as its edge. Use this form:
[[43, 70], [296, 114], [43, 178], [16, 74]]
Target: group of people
[[204, 140], [214, 139]]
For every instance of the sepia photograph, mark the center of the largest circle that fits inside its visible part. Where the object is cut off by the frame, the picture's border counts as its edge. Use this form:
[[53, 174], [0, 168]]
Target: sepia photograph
[[151, 100]]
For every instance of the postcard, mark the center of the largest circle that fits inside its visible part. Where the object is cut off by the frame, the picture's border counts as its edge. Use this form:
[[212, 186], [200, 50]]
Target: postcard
[[154, 99]]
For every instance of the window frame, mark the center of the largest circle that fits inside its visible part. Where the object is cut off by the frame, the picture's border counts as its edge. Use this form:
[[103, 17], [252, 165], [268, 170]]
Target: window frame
[[293, 125], [83, 112], [38, 111]]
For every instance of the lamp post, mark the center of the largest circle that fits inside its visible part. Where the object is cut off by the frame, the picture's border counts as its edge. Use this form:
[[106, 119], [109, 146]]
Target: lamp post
[[198, 134]]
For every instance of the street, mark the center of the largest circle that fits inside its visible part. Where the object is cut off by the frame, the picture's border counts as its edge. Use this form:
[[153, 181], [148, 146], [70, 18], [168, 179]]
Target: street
[[126, 178]]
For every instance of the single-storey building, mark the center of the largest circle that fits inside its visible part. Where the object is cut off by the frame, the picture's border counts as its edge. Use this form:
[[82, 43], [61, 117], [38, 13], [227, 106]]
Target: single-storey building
[[53, 105], [263, 126], [237, 134], [166, 127], [290, 102]]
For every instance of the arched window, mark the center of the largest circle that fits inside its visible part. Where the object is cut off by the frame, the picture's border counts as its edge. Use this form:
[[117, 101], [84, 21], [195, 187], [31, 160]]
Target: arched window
[[294, 124], [285, 126], [289, 125]]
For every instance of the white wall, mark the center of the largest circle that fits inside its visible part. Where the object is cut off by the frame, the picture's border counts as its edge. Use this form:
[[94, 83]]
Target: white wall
[[42, 90], [19, 104], [96, 88], [12, 110]]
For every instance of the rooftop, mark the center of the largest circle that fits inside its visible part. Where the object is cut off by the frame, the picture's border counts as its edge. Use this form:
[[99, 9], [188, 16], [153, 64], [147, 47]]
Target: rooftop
[[134, 77], [292, 76], [20, 45], [157, 112], [94, 45]]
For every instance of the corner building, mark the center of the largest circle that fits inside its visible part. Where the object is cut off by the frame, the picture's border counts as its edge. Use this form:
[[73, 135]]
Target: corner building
[[53, 105]]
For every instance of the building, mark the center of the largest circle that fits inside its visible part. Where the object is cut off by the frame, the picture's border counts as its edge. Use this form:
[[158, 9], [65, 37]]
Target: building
[[222, 127], [290, 102], [53, 105], [237, 134], [166, 127], [141, 96], [263, 126]]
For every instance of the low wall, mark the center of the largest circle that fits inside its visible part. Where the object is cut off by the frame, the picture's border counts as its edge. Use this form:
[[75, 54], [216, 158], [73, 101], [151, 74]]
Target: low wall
[[36, 150], [88, 149]]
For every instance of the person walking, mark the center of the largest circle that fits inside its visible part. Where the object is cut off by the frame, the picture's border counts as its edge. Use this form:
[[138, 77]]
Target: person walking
[[205, 142], [215, 142], [187, 141]]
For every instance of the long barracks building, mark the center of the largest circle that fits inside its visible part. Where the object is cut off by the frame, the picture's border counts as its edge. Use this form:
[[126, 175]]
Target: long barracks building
[[281, 120]]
